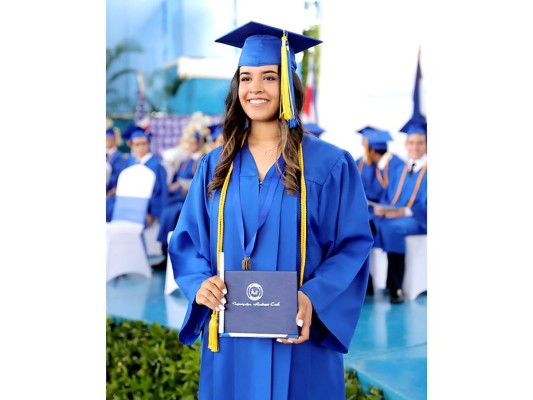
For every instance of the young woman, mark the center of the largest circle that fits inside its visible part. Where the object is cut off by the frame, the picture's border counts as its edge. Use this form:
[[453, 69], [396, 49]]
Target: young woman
[[313, 220]]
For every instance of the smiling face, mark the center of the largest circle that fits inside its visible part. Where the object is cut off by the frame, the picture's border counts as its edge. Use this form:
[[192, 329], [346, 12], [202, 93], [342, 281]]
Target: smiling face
[[416, 145], [259, 92]]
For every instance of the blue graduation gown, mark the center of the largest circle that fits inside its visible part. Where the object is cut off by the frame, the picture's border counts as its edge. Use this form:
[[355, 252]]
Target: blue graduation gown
[[335, 279], [373, 188], [169, 215], [391, 232], [371, 184], [118, 162], [395, 164]]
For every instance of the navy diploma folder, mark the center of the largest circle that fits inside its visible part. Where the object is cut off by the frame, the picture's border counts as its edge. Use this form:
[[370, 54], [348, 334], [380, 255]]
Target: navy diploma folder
[[260, 304]]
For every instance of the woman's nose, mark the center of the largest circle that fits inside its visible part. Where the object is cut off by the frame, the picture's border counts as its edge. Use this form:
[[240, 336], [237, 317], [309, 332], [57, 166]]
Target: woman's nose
[[256, 88]]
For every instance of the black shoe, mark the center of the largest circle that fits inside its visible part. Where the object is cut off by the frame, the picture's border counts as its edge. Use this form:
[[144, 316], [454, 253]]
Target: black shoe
[[162, 266], [396, 296], [370, 287]]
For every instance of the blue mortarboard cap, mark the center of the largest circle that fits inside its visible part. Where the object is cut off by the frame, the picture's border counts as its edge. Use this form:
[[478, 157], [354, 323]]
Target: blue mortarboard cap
[[128, 131], [215, 130], [314, 129], [134, 131], [140, 133], [415, 125], [377, 138], [265, 45], [110, 132], [261, 44]]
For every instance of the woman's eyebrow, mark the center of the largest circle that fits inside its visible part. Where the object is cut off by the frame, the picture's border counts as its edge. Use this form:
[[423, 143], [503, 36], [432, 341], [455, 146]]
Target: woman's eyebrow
[[263, 72]]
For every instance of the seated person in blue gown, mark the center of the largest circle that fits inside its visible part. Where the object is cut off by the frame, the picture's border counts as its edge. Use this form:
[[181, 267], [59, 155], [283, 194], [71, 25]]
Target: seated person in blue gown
[[177, 191], [407, 190], [315, 223], [117, 161], [375, 167], [139, 142], [377, 164]]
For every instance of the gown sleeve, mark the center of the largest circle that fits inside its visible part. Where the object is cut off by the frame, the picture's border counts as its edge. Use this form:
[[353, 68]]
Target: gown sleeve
[[337, 287], [189, 252]]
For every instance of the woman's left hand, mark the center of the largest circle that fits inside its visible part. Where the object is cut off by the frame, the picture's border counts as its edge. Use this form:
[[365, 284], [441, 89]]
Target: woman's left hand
[[303, 319]]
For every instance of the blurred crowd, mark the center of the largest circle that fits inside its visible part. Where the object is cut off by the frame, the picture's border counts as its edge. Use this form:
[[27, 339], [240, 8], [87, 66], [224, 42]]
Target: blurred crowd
[[396, 188]]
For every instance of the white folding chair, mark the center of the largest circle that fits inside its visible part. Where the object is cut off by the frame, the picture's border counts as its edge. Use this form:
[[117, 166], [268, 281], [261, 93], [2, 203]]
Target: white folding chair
[[415, 278], [170, 282], [125, 252], [378, 268], [153, 246], [108, 171]]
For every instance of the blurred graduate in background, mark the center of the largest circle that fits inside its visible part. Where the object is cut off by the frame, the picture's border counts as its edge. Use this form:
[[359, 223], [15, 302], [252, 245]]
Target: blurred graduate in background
[[177, 192], [116, 162], [407, 191], [377, 164], [375, 167], [139, 142]]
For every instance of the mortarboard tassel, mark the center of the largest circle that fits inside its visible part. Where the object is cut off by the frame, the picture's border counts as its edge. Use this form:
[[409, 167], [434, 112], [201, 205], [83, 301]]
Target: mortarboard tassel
[[213, 332], [286, 102], [212, 343]]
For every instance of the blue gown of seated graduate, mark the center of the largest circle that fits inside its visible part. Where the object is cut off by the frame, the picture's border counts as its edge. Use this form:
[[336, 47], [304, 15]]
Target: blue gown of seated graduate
[[169, 215], [373, 188], [371, 184], [391, 232], [158, 200], [118, 162], [335, 279]]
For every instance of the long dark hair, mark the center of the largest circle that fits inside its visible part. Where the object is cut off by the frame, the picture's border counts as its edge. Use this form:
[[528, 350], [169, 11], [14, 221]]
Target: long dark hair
[[236, 123]]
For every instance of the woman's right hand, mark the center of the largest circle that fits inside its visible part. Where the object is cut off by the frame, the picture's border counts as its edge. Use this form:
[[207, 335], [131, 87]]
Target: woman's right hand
[[211, 293]]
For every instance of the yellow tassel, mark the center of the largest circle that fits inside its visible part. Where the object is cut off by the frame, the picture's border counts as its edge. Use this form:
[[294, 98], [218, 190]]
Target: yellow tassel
[[213, 332], [303, 214], [213, 323], [285, 105]]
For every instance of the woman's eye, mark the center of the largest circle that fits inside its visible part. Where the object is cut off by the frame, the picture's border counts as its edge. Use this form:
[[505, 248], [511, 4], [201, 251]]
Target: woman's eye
[[270, 78], [245, 79]]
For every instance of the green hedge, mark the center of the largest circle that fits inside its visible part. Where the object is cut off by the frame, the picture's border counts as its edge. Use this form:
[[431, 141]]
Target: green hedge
[[147, 361]]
